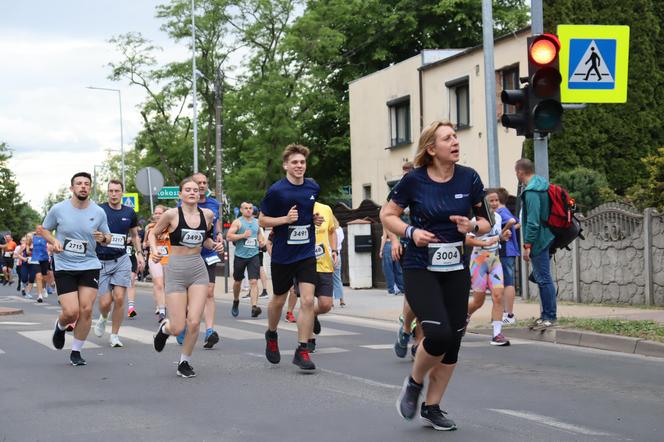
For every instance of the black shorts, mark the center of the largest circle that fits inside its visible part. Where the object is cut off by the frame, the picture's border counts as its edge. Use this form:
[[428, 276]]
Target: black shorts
[[44, 267], [260, 258], [33, 269], [67, 281], [283, 274], [212, 272], [251, 264], [8, 262], [325, 284], [134, 263]]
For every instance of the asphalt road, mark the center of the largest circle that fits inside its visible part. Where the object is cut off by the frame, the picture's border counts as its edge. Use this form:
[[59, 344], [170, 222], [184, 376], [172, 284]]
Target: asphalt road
[[526, 392]]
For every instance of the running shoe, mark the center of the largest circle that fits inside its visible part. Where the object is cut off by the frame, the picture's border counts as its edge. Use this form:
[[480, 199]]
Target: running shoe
[[180, 338], [290, 317], [413, 351], [160, 338], [536, 323], [409, 398], [45, 294], [500, 340], [312, 345], [316, 325], [156, 312], [161, 317], [263, 294], [49, 291], [302, 360], [185, 370], [100, 326], [246, 295], [255, 311], [272, 347], [58, 337], [342, 303], [211, 338], [235, 310], [23, 293], [115, 341], [509, 320], [131, 313], [543, 324], [28, 296], [434, 416], [40, 299], [76, 359], [401, 346]]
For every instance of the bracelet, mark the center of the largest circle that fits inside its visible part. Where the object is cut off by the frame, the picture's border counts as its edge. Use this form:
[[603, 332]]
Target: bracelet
[[409, 232]]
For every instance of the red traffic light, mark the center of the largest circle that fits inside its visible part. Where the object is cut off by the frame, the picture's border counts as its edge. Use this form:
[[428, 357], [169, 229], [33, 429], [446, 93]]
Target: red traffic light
[[544, 49]]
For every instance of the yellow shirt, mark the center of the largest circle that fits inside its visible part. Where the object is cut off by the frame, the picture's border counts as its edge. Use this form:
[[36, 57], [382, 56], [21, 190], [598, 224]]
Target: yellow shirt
[[324, 263]]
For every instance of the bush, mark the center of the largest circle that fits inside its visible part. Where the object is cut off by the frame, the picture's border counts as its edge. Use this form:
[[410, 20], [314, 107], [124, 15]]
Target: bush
[[650, 191], [588, 187]]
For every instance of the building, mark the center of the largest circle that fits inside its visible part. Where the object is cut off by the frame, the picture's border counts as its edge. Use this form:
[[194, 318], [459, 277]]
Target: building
[[389, 108]]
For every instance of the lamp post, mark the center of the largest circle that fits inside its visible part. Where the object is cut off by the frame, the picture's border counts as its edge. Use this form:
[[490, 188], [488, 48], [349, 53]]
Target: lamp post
[[122, 156], [95, 177], [193, 81]]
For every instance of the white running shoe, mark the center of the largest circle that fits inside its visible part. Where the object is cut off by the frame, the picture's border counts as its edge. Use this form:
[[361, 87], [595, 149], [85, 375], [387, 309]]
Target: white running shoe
[[100, 326], [507, 320], [45, 294], [115, 341]]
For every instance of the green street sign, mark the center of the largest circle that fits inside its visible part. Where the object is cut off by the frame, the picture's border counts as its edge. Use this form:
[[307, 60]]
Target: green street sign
[[168, 193]]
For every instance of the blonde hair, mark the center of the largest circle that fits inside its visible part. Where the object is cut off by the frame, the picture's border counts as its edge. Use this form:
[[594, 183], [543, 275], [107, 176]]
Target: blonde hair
[[428, 139]]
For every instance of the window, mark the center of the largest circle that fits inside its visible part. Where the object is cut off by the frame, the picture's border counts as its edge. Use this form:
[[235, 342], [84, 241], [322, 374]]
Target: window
[[459, 102], [510, 80], [366, 191], [399, 121]]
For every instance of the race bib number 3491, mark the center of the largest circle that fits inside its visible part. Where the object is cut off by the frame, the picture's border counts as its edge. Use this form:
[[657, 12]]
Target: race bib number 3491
[[298, 235], [445, 257]]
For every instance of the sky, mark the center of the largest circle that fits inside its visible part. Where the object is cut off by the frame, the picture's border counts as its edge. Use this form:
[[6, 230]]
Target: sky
[[49, 52]]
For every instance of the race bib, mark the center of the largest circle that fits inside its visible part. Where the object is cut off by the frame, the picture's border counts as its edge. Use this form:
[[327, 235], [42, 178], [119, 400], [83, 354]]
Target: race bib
[[32, 261], [298, 235], [445, 257], [163, 250], [75, 246], [251, 243], [320, 251], [212, 259], [192, 238], [129, 250], [118, 241], [8, 254]]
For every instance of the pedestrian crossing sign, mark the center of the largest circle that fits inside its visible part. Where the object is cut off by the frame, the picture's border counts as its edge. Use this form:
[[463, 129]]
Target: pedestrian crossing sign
[[593, 63], [130, 200]]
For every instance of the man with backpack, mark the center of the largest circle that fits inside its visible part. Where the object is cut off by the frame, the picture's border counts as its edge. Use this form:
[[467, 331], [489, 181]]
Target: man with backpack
[[537, 238]]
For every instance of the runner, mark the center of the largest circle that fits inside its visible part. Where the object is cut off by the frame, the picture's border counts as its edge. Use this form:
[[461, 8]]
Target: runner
[[30, 267], [158, 268], [508, 255], [115, 274], [41, 262], [263, 275], [22, 270], [440, 194], [131, 290], [80, 224], [326, 258], [187, 277], [288, 209], [8, 258], [246, 235], [338, 283]]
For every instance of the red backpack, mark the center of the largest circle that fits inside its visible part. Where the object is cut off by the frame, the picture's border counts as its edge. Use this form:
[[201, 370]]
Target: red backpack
[[562, 222]]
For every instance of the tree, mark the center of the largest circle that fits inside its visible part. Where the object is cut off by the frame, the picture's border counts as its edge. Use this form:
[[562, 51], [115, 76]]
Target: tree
[[649, 191], [16, 215], [588, 187]]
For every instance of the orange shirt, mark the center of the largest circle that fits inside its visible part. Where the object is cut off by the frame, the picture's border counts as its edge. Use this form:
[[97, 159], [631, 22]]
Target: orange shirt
[[163, 244], [9, 249]]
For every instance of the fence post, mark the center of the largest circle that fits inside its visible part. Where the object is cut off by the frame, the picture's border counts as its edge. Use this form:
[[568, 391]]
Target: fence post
[[576, 270], [647, 254]]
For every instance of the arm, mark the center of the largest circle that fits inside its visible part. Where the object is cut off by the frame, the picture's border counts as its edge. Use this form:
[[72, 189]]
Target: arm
[[332, 237], [471, 240], [209, 243], [390, 217], [261, 238], [136, 241], [163, 224], [46, 234], [533, 220], [232, 235], [269, 221]]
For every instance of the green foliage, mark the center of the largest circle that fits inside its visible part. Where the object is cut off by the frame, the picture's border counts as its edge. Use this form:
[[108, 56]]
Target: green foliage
[[588, 187], [16, 215], [649, 191], [644, 329]]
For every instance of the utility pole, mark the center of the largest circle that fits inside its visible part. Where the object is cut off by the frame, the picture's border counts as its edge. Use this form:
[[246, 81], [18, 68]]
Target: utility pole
[[540, 141], [490, 93], [219, 139]]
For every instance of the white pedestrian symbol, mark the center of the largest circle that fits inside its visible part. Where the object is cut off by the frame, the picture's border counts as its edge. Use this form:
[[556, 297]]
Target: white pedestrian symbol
[[592, 67], [129, 202]]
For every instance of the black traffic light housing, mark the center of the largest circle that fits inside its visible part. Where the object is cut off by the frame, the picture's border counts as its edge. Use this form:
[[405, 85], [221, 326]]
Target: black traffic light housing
[[545, 109], [520, 119]]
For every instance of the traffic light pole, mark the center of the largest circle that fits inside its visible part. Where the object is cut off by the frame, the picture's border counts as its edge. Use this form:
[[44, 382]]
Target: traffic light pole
[[540, 142], [490, 92]]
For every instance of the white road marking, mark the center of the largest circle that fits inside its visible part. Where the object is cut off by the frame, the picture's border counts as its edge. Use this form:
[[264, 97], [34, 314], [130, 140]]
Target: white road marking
[[322, 351], [379, 346], [2, 351], [238, 334], [44, 337], [52, 307], [551, 422], [364, 322], [18, 323], [363, 380], [326, 331]]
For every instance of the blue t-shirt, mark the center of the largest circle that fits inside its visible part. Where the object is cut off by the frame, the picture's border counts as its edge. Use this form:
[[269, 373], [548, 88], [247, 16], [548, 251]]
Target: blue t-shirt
[[74, 229], [39, 250], [292, 242], [120, 221], [431, 205], [213, 205], [512, 246]]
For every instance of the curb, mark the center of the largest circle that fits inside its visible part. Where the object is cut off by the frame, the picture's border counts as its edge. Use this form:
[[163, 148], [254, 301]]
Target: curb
[[6, 311], [582, 338]]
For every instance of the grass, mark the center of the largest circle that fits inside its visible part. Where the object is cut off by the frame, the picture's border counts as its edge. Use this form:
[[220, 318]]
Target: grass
[[644, 329], [535, 300]]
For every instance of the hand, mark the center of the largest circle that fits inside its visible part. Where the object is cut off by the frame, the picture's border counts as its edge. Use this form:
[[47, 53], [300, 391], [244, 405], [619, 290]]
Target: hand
[[526, 255], [220, 236], [247, 234], [335, 258], [292, 215], [140, 261], [380, 253], [99, 237], [421, 237], [507, 234], [57, 246], [318, 220], [261, 243], [155, 256], [218, 247], [491, 241], [397, 250], [464, 225]]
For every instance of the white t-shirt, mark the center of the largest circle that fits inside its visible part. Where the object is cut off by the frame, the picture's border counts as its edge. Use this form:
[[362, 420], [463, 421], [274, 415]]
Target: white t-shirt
[[495, 231]]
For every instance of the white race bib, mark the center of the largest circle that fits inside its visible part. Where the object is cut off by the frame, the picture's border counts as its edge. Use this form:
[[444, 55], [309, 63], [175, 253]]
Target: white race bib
[[163, 250], [32, 260], [8, 254], [445, 257], [251, 243], [75, 246], [298, 235], [192, 238], [320, 251], [129, 250], [118, 241], [212, 259]]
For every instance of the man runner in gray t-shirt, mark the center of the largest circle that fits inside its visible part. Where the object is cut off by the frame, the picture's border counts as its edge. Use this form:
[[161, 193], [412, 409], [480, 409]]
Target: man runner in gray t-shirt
[[80, 224]]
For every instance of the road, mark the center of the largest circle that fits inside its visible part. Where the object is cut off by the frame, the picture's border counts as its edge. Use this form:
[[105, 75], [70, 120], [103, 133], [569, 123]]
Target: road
[[526, 392]]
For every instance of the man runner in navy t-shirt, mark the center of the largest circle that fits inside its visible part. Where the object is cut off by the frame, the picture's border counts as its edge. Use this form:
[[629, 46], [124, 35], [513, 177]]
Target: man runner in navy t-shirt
[[288, 209]]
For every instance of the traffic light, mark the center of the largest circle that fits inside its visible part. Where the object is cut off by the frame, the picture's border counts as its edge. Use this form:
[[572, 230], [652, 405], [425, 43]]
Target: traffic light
[[520, 119], [545, 109]]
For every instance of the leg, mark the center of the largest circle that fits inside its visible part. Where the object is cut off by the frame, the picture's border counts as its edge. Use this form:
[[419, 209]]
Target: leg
[[542, 272], [69, 308], [274, 309], [387, 267], [263, 277], [176, 304], [305, 320], [118, 308], [439, 378], [292, 299], [253, 291], [398, 276], [196, 299], [210, 307], [477, 302], [86, 299]]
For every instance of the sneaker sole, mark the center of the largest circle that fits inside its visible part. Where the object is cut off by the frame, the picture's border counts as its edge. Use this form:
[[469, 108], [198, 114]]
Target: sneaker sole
[[398, 403], [500, 344], [78, 364], [97, 333], [437, 427], [186, 376], [212, 340]]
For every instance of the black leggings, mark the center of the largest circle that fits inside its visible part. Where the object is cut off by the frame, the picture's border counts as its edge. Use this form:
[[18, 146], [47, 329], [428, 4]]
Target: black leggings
[[440, 302]]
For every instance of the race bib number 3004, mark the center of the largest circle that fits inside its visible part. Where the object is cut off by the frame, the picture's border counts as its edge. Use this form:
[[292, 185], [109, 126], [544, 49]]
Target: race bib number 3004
[[298, 235], [445, 257]]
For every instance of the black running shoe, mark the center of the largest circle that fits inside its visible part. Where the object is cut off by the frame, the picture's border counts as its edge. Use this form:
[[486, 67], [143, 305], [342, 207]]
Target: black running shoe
[[255, 311], [211, 339], [316, 326], [434, 416], [272, 347], [76, 359], [160, 338], [302, 360], [161, 317], [235, 310], [263, 294], [185, 370], [409, 398], [58, 337], [312, 345]]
